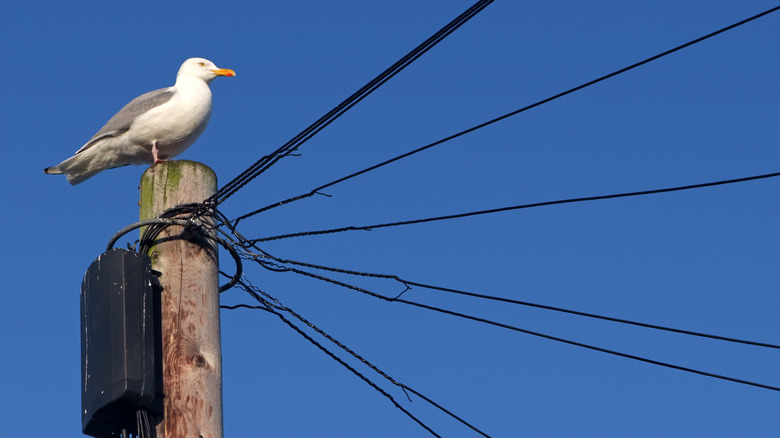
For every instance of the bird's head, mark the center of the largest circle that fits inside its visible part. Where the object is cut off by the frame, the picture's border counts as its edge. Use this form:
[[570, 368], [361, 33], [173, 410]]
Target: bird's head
[[203, 69]]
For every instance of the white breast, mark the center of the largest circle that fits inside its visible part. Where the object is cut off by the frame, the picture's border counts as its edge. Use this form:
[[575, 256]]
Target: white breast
[[176, 124]]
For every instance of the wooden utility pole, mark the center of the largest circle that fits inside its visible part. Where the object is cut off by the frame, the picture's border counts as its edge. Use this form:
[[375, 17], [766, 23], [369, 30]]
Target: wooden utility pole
[[192, 355]]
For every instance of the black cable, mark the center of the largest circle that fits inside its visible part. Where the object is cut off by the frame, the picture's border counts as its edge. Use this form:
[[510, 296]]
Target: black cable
[[197, 229], [523, 109], [149, 430], [264, 163], [587, 346], [279, 306], [401, 385], [372, 384], [514, 207], [592, 315], [409, 283], [533, 333], [270, 308], [242, 306], [333, 281], [143, 425]]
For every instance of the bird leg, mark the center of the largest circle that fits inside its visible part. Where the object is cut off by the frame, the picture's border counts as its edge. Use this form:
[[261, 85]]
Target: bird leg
[[155, 151]]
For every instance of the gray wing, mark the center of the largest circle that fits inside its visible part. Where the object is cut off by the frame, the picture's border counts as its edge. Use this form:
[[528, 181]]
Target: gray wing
[[124, 118]]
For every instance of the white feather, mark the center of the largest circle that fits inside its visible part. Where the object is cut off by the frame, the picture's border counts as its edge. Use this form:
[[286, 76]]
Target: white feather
[[170, 119]]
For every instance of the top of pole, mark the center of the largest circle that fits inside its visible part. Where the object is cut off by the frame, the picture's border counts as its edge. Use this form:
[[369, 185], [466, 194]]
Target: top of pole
[[173, 183]]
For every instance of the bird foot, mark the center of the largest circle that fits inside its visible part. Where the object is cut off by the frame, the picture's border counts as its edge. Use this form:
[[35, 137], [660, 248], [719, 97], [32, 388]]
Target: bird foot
[[155, 151]]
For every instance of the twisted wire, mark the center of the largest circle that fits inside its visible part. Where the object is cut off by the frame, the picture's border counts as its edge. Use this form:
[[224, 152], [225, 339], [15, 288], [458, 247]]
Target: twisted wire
[[267, 161], [513, 113], [516, 207], [269, 307]]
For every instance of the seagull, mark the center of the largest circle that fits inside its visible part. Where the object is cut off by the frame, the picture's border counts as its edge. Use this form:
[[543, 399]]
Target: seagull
[[151, 128]]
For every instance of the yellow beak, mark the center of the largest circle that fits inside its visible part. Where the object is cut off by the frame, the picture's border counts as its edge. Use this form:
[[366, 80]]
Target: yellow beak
[[224, 72]]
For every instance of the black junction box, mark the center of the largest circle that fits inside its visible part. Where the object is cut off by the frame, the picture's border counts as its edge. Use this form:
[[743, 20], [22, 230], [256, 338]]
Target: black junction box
[[121, 352]]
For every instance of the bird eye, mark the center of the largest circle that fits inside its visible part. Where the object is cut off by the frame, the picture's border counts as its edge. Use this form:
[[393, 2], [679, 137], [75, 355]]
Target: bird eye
[[202, 64]]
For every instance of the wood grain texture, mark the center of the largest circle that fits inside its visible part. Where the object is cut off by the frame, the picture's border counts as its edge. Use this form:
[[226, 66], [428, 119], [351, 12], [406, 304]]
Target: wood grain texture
[[192, 363]]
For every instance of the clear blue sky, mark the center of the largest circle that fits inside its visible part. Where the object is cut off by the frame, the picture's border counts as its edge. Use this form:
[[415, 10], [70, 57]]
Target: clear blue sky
[[704, 260]]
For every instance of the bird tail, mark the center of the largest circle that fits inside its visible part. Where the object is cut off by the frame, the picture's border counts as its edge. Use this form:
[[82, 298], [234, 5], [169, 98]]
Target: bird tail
[[110, 153], [77, 169]]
